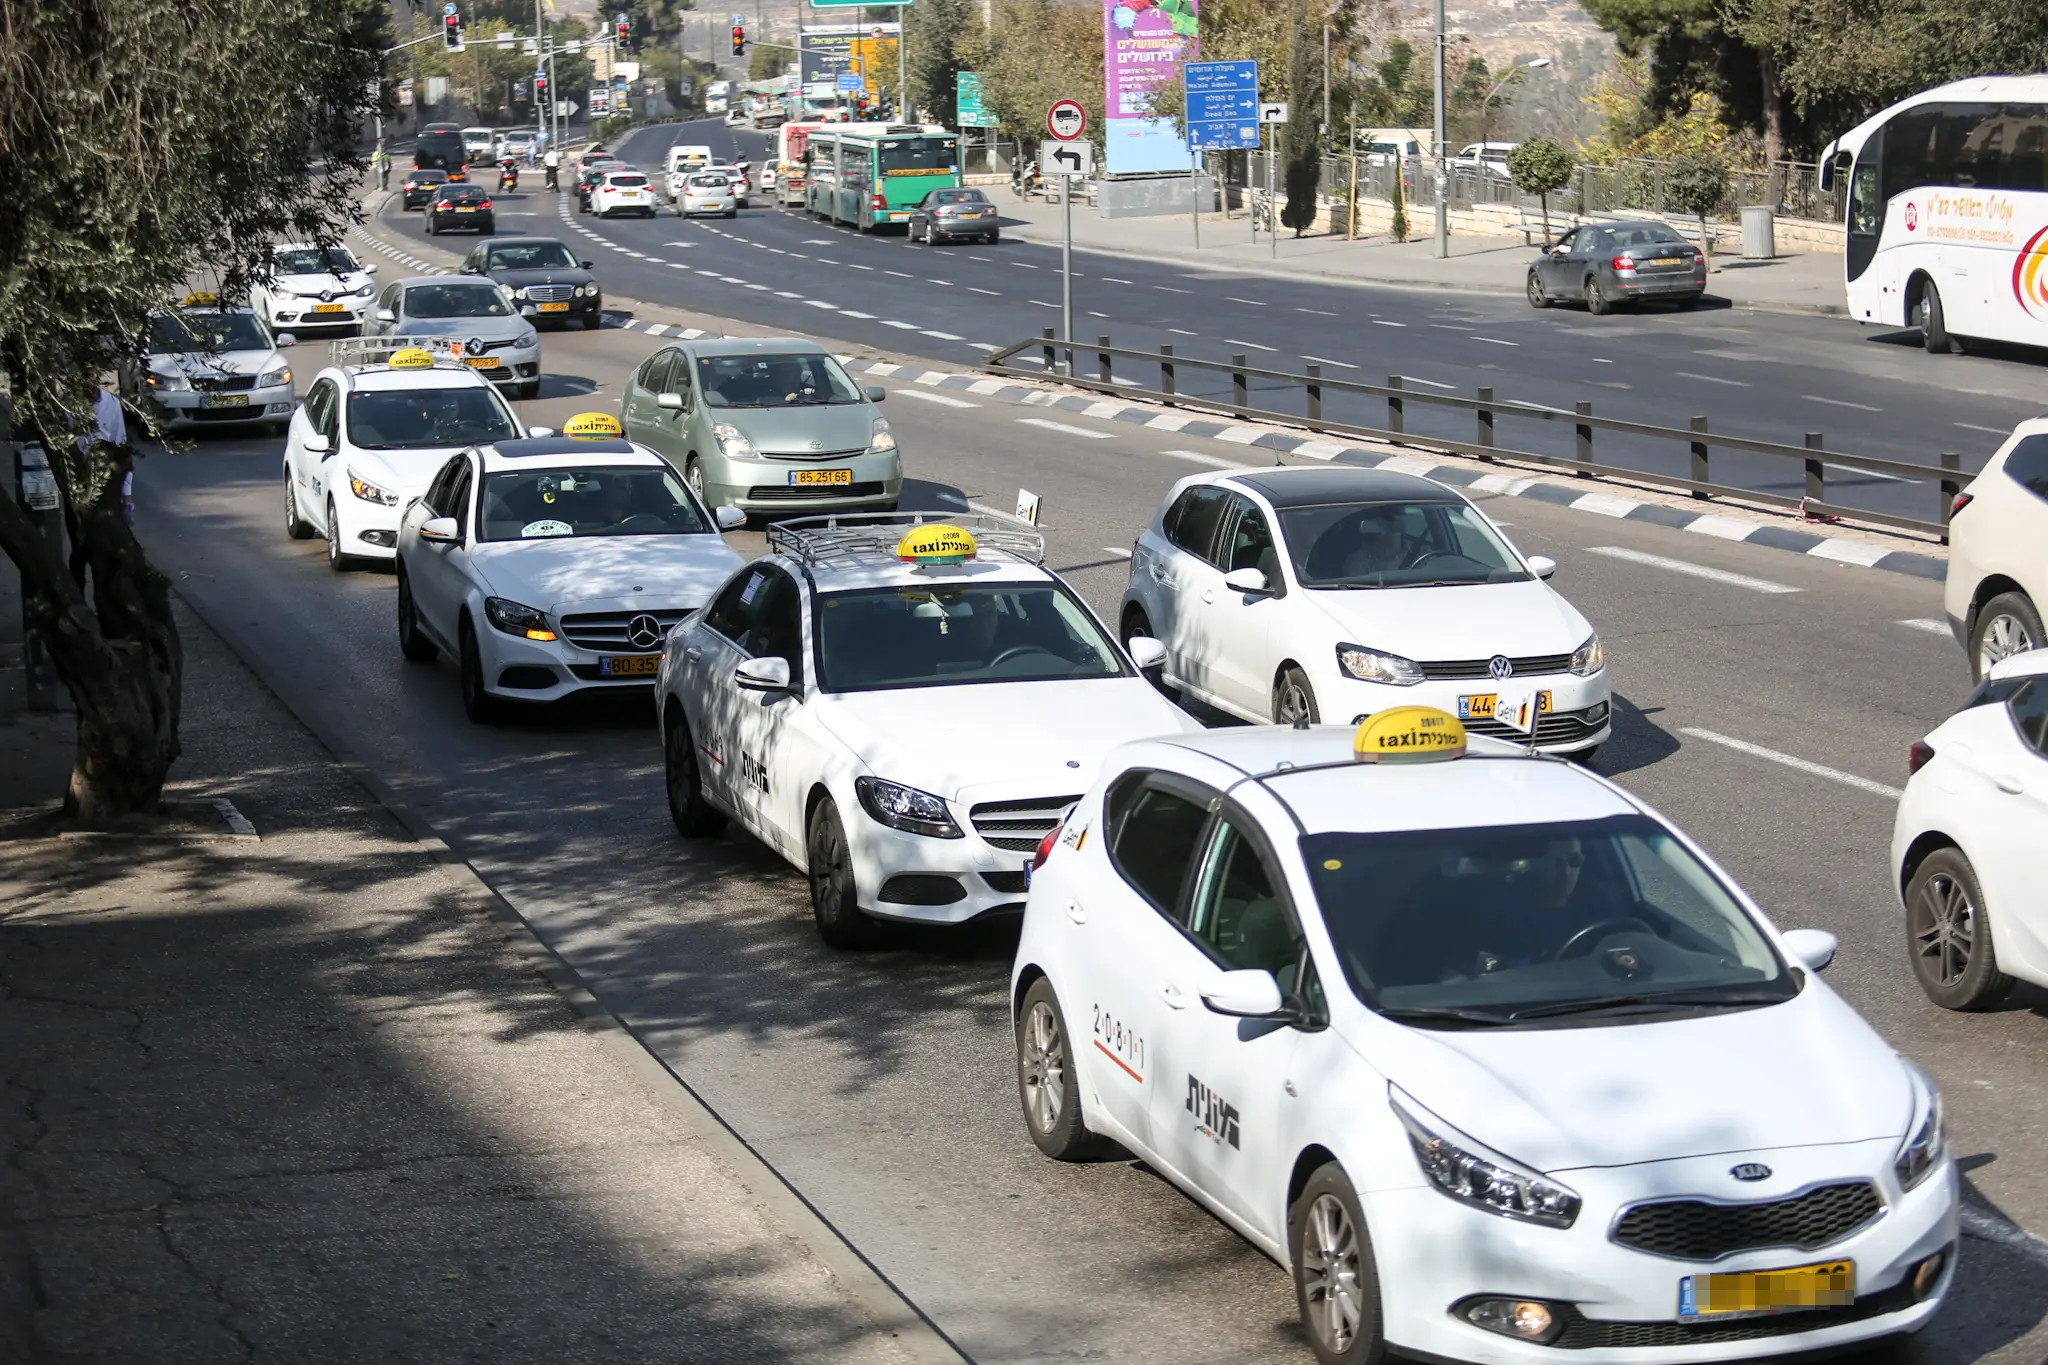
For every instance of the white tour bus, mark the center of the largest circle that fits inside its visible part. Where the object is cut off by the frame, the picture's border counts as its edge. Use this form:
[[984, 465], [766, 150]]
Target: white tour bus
[[1948, 212]]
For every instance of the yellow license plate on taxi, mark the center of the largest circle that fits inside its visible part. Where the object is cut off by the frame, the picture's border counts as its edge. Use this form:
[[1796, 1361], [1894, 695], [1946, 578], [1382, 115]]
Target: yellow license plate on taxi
[[481, 362], [808, 477], [1752, 1293], [329, 308], [554, 308], [629, 665], [1480, 705], [225, 400]]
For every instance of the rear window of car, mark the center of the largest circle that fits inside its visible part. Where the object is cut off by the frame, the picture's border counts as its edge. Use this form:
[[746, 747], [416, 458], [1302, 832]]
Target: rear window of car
[[710, 182], [2026, 464], [628, 181], [428, 177]]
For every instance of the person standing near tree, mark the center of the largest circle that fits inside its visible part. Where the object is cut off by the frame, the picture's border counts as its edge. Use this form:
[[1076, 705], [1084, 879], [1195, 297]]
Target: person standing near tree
[[381, 160]]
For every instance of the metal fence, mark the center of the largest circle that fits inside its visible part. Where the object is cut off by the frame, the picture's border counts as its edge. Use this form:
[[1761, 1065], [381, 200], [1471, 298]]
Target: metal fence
[[1792, 188]]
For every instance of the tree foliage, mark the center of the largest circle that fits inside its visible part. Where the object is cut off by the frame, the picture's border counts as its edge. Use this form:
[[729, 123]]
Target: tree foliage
[[945, 38], [1040, 51], [1540, 166], [1302, 146]]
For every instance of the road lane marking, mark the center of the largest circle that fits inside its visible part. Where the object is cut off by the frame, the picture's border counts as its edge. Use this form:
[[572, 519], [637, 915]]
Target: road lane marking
[[990, 292], [1995, 431], [1686, 566], [1111, 279], [757, 286], [1120, 551], [1839, 403], [943, 336], [1525, 403], [820, 303], [1382, 322], [1452, 327], [1042, 303], [932, 280], [1171, 290], [1928, 624], [1233, 341], [865, 317], [1235, 299], [900, 326], [817, 241], [1743, 746], [851, 266], [1496, 341], [1412, 379], [1317, 311], [1022, 266], [898, 274], [943, 400], [787, 294], [1213, 461], [1340, 364], [981, 258], [1064, 429]]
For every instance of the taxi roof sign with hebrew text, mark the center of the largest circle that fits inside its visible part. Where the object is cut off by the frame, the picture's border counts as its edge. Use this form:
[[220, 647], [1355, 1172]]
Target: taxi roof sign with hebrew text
[[411, 358], [935, 543], [1408, 734], [593, 426]]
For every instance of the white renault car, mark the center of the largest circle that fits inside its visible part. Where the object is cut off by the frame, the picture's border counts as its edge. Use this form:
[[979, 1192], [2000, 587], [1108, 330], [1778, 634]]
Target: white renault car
[[1334, 592], [312, 287], [554, 565], [1970, 841], [901, 707], [375, 427], [1502, 1066]]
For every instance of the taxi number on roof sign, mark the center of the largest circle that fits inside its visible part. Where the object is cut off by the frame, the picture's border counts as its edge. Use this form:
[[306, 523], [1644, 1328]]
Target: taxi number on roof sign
[[592, 426], [935, 544], [411, 358], [1408, 734]]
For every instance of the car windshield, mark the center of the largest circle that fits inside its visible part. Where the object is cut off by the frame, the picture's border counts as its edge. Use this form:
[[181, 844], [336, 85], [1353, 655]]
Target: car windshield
[[773, 381], [957, 197], [313, 261], [417, 419], [940, 634], [204, 333], [455, 301], [1489, 926], [1395, 545], [918, 155], [606, 501], [532, 256]]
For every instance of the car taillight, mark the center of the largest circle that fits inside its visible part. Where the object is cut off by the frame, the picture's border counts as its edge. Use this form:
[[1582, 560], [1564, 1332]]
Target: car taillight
[[1962, 500], [1917, 756], [1045, 846], [1622, 263], [486, 204], [879, 203]]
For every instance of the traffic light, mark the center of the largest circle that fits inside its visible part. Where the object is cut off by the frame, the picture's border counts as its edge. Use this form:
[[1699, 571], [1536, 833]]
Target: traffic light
[[625, 33], [451, 27], [739, 40], [540, 87]]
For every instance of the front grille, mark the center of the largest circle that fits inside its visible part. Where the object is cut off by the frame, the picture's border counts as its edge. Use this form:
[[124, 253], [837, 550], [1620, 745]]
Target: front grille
[[1020, 826], [225, 414], [815, 454], [605, 631], [593, 673], [550, 293], [1008, 883], [790, 492], [230, 383], [1533, 665], [1557, 727], [1584, 1334], [1694, 1230]]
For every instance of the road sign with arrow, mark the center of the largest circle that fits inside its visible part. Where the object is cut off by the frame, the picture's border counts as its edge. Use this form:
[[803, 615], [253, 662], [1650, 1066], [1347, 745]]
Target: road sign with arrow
[[1066, 158]]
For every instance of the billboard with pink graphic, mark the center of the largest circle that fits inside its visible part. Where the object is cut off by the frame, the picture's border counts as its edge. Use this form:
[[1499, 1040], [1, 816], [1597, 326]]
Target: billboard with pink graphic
[[1144, 43]]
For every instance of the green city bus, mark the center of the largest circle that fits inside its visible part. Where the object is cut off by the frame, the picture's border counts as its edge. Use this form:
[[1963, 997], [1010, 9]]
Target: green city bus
[[870, 176]]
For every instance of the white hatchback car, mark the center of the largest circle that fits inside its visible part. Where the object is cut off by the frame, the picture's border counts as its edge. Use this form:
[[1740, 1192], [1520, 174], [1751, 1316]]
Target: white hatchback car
[[312, 287], [554, 565], [1495, 1060], [708, 192], [625, 191], [1334, 592], [1970, 841], [1997, 575], [901, 708]]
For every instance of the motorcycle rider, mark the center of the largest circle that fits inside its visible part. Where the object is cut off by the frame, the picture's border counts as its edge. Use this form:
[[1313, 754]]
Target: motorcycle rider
[[508, 173], [553, 161]]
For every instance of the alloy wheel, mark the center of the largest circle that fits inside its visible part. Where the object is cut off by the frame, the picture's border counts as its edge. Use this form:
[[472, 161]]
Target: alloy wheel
[[1329, 1271], [2003, 636], [1042, 1058], [1945, 928]]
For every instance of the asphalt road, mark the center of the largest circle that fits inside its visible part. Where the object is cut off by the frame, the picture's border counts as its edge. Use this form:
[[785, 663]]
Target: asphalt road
[[882, 1085], [1755, 375]]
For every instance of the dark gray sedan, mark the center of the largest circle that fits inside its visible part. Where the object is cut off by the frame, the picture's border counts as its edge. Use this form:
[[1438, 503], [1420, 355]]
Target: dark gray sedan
[[1603, 265], [945, 215]]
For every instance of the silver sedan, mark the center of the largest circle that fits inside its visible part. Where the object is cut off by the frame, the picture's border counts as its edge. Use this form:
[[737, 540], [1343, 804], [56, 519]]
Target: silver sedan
[[496, 341]]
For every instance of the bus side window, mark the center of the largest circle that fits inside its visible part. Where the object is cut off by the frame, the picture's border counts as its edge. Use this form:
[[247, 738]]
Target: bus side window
[[1866, 210]]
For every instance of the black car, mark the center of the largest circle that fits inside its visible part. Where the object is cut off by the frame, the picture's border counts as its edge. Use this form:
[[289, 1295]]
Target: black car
[[593, 170], [1603, 265], [944, 215], [543, 277], [460, 207], [421, 186]]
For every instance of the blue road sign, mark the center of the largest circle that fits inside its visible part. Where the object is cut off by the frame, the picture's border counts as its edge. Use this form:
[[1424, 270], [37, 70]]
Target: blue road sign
[[1223, 104], [851, 82]]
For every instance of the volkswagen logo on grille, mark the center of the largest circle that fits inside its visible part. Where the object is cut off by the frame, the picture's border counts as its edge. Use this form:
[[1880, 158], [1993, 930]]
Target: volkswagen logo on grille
[[1750, 1170], [643, 631], [1500, 666], [474, 346]]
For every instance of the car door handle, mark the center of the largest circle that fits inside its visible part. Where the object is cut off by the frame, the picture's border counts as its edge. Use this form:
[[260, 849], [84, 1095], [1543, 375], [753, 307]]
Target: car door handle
[[1209, 594], [1173, 997], [2009, 784], [1076, 913], [693, 654]]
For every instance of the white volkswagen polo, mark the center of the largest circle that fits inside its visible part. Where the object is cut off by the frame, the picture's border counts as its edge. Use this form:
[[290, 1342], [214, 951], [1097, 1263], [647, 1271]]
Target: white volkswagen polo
[[902, 708], [1334, 592], [1495, 1060]]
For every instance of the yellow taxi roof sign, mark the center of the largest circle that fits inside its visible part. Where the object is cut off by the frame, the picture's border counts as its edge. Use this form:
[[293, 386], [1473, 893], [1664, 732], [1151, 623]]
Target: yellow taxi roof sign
[[937, 543], [411, 358], [1408, 734], [593, 426], [201, 298]]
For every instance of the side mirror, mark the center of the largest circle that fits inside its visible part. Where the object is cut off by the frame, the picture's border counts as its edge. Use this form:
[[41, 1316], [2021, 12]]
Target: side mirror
[[386, 315], [1249, 994], [876, 393], [1812, 949], [468, 269], [671, 401], [286, 339], [1542, 566], [369, 267], [316, 444], [1246, 581], [586, 265], [440, 530], [730, 518], [1146, 652], [767, 674], [540, 431]]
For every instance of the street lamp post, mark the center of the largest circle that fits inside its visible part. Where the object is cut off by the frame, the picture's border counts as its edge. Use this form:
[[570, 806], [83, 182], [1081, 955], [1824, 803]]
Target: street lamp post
[[1486, 105], [1443, 207]]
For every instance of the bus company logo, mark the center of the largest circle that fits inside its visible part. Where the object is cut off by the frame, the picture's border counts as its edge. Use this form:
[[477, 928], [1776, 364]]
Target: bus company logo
[[2030, 275], [1912, 216]]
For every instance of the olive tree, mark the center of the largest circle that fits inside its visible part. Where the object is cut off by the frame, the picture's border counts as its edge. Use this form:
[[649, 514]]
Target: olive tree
[[1540, 167], [146, 145], [1698, 185]]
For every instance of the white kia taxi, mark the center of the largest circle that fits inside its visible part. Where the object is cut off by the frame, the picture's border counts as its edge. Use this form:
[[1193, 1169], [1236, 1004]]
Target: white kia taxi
[[1501, 1065]]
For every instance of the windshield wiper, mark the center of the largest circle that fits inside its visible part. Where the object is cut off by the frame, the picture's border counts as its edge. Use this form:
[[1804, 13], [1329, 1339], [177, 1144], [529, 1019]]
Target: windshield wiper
[[1706, 997], [1444, 1014]]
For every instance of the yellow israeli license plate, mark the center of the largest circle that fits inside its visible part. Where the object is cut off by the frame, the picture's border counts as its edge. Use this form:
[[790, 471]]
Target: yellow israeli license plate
[[629, 665], [481, 362], [554, 308], [465, 208], [225, 400], [806, 477], [1666, 260], [1752, 1293], [1480, 705], [328, 308]]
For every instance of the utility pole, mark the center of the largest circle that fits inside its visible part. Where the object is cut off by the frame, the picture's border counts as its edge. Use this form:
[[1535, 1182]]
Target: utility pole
[[1443, 207], [903, 65]]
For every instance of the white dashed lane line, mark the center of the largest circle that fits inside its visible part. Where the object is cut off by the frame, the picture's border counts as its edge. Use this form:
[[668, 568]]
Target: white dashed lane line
[[1839, 403], [1213, 461], [943, 400], [990, 292], [1120, 551], [1929, 624], [1256, 303], [1995, 431], [1233, 341], [1382, 322], [1710, 379], [1340, 364], [1431, 383], [1065, 430], [1743, 746], [1690, 569]]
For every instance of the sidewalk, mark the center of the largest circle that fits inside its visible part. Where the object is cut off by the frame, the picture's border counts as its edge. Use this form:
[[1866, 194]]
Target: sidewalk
[[304, 1100], [1810, 282]]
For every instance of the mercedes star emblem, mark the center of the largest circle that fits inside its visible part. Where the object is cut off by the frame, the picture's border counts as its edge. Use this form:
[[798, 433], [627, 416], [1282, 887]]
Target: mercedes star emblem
[[643, 631], [1750, 1170], [1500, 666]]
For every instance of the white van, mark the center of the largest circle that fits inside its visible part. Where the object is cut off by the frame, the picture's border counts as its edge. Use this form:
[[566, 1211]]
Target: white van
[[479, 145], [688, 157]]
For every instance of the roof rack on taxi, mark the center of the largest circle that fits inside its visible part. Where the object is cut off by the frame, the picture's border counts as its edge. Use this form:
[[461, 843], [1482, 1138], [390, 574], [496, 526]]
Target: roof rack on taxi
[[845, 537], [360, 351]]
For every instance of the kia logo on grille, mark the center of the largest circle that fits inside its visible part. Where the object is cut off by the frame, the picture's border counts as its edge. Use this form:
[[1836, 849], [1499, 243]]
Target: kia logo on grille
[[1750, 1170], [1500, 666], [643, 631]]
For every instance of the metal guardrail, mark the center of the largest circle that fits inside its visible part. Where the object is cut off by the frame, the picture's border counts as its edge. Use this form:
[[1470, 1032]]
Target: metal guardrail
[[1812, 456]]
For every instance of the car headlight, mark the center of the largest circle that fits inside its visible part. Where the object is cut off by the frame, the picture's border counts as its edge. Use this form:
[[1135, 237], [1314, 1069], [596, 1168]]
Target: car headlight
[[906, 808], [1589, 658], [883, 438], [1470, 1173], [519, 293], [516, 618], [1377, 666], [168, 383], [732, 442], [366, 291], [270, 379], [1921, 1151], [370, 492], [528, 338]]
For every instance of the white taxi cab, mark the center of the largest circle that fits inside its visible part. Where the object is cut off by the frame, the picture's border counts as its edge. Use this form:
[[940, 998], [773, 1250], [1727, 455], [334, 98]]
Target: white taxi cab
[[311, 286], [204, 364], [1333, 592], [552, 565], [901, 706], [1501, 1065]]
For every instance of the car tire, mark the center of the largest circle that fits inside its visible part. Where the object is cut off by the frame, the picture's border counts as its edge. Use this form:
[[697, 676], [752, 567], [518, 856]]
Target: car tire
[[694, 817], [1534, 289], [835, 900], [1597, 302], [412, 641], [1336, 1281], [1048, 1086], [530, 389], [295, 525], [1294, 698], [336, 560], [1933, 319], [693, 475], [1948, 934], [479, 705], [1690, 302], [732, 213], [993, 238], [1136, 623], [2008, 624]]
